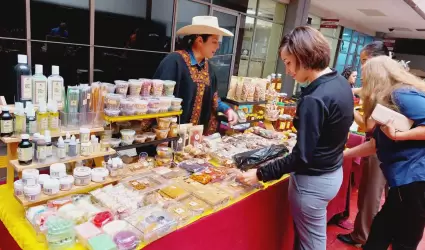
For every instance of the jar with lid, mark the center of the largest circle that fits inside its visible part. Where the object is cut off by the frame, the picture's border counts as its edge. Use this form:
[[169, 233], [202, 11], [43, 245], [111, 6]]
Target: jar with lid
[[25, 150], [281, 123], [66, 182], [6, 122], [32, 193], [99, 174], [82, 176], [30, 176], [51, 186]]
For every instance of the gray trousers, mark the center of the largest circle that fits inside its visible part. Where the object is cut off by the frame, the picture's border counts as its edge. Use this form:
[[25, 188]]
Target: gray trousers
[[309, 197]]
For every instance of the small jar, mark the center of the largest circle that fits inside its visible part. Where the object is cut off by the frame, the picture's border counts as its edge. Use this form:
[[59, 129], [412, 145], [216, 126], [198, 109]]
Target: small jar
[[18, 186], [57, 170], [99, 174], [66, 182], [86, 149], [51, 186], [104, 145], [42, 178], [84, 135], [82, 176], [32, 193], [30, 177]]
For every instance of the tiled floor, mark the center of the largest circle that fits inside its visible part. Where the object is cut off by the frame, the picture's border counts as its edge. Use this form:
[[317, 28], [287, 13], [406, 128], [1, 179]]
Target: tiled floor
[[333, 230]]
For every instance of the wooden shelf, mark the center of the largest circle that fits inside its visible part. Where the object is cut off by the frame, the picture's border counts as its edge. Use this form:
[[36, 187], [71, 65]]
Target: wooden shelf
[[140, 117], [49, 161], [237, 103], [140, 145], [16, 139], [74, 190]]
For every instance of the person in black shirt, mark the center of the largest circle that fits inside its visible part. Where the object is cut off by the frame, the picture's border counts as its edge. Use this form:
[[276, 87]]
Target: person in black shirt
[[323, 118]]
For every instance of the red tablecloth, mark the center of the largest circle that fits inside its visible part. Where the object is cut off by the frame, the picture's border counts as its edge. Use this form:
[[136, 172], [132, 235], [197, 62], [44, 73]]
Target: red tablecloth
[[261, 221]]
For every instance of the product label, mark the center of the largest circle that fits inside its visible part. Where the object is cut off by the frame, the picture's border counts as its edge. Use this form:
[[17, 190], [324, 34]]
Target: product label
[[88, 96], [48, 191], [43, 124], [41, 152], [288, 125], [6, 126], [85, 151], [61, 153], [73, 103], [53, 122], [57, 91], [26, 88], [32, 127], [25, 154], [49, 151], [179, 210], [193, 204], [282, 125], [40, 91]]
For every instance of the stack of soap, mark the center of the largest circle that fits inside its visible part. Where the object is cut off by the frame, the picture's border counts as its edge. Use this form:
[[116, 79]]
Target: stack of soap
[[101, 242]]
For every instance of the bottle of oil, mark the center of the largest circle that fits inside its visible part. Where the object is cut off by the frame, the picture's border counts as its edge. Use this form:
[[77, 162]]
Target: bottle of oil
[[6, 122], [25, 150], [20, 119], [42, 118], [53, 116], [31, 123], [279, 82], [273, 82]]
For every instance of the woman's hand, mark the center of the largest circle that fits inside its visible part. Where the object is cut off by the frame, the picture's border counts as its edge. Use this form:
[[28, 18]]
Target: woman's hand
[[232, 117], [389, 130], [249, 177]]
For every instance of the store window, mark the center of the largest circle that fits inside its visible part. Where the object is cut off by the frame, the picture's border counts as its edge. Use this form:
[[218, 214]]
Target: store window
[[9, 50], [238, 5], [120, 64], [60, 21], [12, 19], [350, 47], [73, 60], [135, 24]]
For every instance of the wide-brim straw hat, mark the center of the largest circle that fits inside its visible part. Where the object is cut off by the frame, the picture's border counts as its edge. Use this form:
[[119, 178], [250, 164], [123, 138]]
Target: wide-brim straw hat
[[201, 25]]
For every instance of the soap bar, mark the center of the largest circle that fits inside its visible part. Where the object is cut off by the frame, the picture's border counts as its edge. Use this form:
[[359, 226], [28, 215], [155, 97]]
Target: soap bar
[[102, 218], [86, 231], [102, 242]]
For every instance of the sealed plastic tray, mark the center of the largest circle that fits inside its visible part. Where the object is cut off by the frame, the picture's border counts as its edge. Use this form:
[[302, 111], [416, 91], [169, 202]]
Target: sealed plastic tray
[[234, 188], [194, 166], [153, 222], [174, 192], [181, 213], [145, 182], [196, 205]]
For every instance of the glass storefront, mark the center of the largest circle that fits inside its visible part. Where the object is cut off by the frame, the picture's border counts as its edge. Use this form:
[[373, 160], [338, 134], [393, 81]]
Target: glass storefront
[[96, 40]]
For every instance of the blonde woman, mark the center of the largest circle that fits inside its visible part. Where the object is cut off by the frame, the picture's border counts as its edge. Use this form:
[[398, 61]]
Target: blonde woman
[[401, 220]]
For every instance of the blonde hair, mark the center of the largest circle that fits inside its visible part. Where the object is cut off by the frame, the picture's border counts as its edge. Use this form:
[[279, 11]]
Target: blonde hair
[[382, 75]]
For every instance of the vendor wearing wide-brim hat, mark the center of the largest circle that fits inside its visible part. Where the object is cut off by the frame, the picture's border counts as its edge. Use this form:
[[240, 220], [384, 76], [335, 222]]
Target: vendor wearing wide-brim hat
[[196, 82]]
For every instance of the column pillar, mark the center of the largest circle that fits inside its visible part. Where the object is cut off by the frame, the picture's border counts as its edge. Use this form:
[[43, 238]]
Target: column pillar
[[296, 15]]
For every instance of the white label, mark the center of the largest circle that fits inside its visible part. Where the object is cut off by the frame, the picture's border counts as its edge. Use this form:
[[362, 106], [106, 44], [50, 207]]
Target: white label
[[26, 87], [84, 102], [88, 96], [29, 182], [179, 210], [193, 204], [48, 191], [122, 90], [57, 91], [25, 154], [6, 126], [40, 91], [44, 124], [197, 137]]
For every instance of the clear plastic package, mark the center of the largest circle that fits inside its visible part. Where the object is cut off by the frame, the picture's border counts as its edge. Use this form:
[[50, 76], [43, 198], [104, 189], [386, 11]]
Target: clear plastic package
[[100, 219], [234, 188], [101, 242], [196, 205], [60, 233], [193, 166], [153, 221], [174, 192], [182, 213], [127, 240], [86, 231], [144, 182]]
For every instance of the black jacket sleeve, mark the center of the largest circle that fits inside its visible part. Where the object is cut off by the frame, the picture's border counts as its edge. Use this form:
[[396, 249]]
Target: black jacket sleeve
[[311, 114]]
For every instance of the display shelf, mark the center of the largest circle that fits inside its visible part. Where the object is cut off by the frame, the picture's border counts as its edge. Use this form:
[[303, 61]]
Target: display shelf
[[17, 138], [237, 103], [140, 145], [140, 117], [18, 167], [74, 190]]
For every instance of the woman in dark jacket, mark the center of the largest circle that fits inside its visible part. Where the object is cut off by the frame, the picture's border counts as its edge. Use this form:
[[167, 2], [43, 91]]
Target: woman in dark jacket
[[324, 116]]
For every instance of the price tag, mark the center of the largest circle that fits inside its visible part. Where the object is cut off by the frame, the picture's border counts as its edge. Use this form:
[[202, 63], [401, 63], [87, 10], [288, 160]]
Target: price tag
[[179, 210], [193, 204]]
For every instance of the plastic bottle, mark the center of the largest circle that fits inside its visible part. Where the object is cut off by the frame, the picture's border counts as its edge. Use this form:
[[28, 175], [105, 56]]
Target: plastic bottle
[[20, 125], [42, 118], [78, 146], [41, 149], [35, 138], [67, 141], [31, 123], [49, 145], [61, 152], [72, 147], [23, 79], [25, 150], [55, 86], [39, 85], [95, 144], [53, 119], [6, 122]]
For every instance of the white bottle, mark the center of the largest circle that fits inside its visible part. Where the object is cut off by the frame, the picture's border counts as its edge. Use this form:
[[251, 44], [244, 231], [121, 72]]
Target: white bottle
[[39, 83], [55, 86], [61, 152], [67, 141], [95, 144]]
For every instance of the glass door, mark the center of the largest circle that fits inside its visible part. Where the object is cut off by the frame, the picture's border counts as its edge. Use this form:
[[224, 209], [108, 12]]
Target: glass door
[[223, 61]]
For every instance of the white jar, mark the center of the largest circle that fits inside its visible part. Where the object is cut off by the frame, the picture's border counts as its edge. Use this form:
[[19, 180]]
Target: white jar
[[57, 170], [99, 174], [42, 178], [32, 193], [84, 135], [82, 176], [18, 187], [30, 177], [86, 149], [51, 186], [66, 182]]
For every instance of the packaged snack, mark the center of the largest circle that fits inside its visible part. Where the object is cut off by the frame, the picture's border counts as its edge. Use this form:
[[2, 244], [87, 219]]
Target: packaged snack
[[135, 87], [195, 135], [201, 177], [102, 218], [182, 213], [164, 122], [126, 240], [232, 88], [157, 87], [196, 205], [169, 87], [246, 88], [113, 101], [193, 166], [174, 192], [121, 87], [146, 87], [161, 133]]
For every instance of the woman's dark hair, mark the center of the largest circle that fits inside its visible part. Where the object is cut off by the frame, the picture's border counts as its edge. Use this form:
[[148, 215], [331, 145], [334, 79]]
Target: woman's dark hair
[[309, 46], [348, 71], [376, 48], [187, 41]]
